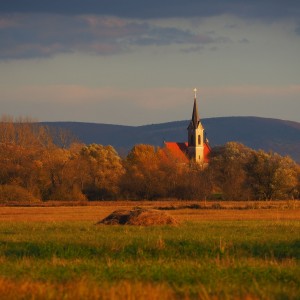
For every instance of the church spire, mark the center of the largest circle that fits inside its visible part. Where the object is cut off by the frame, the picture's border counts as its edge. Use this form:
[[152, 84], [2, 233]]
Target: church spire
[[196, 135], [195, 116]]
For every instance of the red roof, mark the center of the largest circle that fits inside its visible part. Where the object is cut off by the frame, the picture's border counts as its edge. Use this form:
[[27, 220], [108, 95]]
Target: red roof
[[207, 150], [180, 151]]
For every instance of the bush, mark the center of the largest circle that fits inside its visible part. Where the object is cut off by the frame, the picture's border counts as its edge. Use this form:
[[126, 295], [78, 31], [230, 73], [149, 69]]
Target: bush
[[11, 193], [67, 194]]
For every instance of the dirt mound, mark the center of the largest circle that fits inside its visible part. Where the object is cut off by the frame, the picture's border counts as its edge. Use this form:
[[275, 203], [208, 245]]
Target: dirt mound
[[140, 217]]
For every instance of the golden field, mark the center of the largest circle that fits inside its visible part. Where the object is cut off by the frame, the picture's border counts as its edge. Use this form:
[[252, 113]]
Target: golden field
[[195, 211], [220, 250]]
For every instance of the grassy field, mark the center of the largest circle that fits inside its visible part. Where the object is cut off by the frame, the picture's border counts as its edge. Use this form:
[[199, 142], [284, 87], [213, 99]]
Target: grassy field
[[208, 256]]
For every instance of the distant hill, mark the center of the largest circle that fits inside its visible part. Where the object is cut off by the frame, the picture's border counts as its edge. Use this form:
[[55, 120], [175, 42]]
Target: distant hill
[[274, 135]]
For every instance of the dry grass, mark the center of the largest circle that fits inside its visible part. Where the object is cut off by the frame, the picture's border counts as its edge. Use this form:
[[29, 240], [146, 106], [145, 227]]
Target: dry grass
[[139, 217], [236, 215], [239, 210], [83, 289]]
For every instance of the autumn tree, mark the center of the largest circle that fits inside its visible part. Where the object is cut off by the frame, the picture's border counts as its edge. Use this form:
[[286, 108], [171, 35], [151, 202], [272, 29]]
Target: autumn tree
[[47, 165], [102, 168], [194, 183], [53, 173], [154, 173], [272, 176], [228, 168], [151, 173], [30, 159], [142, 177], [21, 146], [297, 191]]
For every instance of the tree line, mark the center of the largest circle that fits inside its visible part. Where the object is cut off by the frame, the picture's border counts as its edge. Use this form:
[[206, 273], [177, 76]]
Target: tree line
[[39, 163]]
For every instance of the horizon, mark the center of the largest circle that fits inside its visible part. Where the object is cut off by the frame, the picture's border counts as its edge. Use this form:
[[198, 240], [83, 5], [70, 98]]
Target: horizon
[[174, 121]]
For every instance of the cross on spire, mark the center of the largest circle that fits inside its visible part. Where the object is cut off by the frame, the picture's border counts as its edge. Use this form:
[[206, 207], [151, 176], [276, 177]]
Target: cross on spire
[[195, 93]]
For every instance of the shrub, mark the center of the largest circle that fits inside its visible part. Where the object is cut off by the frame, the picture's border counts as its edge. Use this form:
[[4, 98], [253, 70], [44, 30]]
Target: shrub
[[67, 194], [11, 193]]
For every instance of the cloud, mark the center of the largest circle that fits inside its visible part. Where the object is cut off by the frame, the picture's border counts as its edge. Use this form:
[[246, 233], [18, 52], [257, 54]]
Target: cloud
[[148, 105], [262, 9], [38, 35], [95, 104], [46, 35], [192, 49], [252, 91], [148, 98], [244, 41], [42, 28], [231, 26]]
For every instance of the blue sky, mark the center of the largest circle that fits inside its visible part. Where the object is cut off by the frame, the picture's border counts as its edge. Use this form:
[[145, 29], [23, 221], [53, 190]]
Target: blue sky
[[137, 62]]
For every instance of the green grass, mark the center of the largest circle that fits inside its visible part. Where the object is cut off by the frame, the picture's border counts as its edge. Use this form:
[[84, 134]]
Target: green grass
[[224, 259]]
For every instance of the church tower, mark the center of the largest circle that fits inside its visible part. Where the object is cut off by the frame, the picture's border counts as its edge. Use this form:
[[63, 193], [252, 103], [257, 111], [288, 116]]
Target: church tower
[[196, 135]]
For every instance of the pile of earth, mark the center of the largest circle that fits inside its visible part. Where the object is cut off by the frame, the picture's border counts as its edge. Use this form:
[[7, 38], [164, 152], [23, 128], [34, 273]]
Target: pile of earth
[[139, 217]]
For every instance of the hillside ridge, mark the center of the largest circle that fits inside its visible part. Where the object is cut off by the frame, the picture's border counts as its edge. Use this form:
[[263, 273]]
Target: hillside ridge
[[281, 136]]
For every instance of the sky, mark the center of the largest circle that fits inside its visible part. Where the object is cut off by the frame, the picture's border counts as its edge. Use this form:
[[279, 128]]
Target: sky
[[137, 62]]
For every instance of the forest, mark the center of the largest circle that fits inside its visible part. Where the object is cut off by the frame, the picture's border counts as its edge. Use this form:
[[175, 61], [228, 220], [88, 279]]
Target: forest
[[39, 163]]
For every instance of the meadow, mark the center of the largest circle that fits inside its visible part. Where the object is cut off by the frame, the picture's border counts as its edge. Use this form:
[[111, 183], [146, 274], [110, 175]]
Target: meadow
[[208, 256]]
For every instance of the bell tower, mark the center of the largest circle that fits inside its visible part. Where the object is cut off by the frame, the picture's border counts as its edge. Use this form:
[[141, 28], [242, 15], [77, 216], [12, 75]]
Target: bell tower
[[196, 138]]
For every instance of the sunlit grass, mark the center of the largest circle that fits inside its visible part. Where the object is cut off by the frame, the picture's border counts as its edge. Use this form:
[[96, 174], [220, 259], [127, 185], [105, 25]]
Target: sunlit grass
[[227, 259]]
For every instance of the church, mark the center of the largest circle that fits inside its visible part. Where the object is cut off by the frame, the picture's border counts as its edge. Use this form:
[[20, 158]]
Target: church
[[197, 148]]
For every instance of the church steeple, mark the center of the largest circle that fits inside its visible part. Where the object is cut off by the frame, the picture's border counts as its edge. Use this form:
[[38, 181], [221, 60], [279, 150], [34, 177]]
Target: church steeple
[[196, 135], [196, 149], [195, 116]]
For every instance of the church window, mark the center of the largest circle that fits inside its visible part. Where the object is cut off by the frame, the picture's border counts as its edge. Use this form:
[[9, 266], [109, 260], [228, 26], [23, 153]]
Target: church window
[[199, 139], [192, 140]]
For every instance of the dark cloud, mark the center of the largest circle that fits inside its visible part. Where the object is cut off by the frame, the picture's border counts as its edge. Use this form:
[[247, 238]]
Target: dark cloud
[[43, 28], [192, 49], [244, 41], [165, 36], [44, 35], [263, 9], [231, 26]]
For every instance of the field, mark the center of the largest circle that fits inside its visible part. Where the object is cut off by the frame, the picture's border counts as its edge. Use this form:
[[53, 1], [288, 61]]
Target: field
[[230, 250]]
